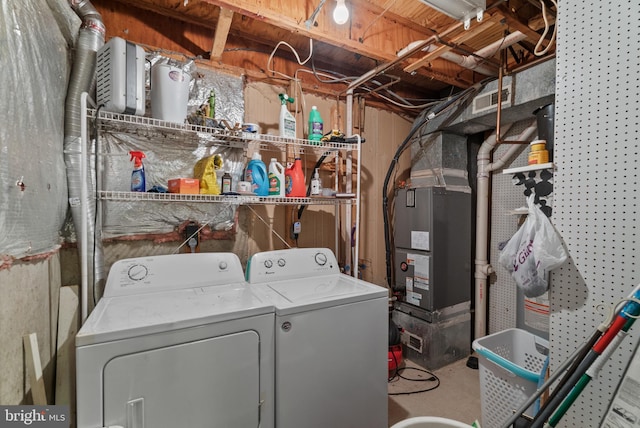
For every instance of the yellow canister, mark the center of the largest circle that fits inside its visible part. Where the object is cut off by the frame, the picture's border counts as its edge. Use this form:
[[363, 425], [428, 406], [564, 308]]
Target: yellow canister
[[538, 153]]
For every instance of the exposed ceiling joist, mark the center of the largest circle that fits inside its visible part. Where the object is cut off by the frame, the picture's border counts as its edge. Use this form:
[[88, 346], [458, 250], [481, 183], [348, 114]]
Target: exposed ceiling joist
[[370, 47], [222, 31], [475, 30]]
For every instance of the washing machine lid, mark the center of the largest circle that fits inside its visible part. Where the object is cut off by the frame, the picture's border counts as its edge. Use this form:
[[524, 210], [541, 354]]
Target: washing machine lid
[[123, 317], [305, 294]]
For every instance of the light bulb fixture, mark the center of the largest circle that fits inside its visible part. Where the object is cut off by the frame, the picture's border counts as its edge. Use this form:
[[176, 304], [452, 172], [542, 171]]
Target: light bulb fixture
[[340, 13]]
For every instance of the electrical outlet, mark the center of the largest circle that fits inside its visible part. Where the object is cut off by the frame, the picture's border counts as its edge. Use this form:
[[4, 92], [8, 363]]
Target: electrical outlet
[[295, 229]]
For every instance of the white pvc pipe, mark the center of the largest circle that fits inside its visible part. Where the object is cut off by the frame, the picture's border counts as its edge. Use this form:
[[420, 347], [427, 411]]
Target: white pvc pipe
[[474, 62], [482, 267], [84, 210], [348, 188]]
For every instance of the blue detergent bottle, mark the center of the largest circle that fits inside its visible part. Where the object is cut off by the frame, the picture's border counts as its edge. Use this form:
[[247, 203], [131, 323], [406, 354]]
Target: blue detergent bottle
[[256, 174]]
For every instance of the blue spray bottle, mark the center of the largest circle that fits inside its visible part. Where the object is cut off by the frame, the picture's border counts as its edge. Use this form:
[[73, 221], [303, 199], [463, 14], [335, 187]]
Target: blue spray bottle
[[138, 183]]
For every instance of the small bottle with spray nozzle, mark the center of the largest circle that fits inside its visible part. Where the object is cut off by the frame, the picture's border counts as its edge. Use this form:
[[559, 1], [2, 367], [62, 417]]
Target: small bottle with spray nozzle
[[287, 121], [138, 183], [316, 185]]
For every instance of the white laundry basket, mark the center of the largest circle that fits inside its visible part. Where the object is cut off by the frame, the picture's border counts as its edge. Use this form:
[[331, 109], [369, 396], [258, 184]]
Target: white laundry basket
[[510, 363], [429, 422]]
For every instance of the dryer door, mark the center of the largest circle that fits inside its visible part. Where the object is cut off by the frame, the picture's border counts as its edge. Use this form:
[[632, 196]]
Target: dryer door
[[207, 383]]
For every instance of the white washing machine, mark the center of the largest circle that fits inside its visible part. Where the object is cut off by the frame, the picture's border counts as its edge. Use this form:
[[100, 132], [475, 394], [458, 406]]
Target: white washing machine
[[331, 336], [177, 341]]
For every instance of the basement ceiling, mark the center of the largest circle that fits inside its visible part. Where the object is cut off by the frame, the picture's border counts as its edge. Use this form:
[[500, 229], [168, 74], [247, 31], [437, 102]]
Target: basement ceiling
[[416, 53]]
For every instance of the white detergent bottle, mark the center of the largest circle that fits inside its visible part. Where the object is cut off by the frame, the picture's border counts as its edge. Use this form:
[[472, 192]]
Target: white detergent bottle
[[276, 179], [287, 121]]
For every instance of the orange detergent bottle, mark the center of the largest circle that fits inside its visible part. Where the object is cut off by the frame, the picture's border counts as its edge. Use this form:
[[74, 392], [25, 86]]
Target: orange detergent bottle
[[294, 180]]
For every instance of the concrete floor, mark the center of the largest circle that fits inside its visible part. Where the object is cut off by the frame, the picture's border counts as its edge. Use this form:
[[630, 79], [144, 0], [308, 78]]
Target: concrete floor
[[457, 397]]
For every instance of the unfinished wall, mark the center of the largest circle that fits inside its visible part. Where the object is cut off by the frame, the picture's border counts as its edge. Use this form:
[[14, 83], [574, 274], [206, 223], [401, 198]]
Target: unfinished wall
[[33, 201]]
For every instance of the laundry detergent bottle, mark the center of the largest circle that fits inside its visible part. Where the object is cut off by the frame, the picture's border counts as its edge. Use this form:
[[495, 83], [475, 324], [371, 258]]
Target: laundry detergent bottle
[[256, 174], [294, 180], [287, 121], [315, 125], [276, 179]]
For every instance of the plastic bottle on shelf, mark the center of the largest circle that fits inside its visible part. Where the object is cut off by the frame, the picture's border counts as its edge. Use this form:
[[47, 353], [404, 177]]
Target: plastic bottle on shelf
[[212, 104], [294, 180], [316, 186], [256, 174], [538, 154], [287, 121], [276, 179], [138, 182], [315, 125], [227, 182]]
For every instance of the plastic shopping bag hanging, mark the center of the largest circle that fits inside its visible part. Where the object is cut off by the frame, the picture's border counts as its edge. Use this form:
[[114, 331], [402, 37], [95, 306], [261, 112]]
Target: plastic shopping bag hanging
[[534, 250]]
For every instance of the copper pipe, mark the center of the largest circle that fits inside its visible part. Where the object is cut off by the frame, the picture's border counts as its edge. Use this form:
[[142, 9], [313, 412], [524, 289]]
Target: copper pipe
[[499, 139]]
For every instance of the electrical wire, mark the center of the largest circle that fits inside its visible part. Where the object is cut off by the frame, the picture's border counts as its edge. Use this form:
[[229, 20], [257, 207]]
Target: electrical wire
[[361, 38], [536, 50], [268, 225], [95, 213], [300, 62], [398, 375]]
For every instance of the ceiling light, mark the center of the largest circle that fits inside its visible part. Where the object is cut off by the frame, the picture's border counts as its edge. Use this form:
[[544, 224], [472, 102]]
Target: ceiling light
[[462, 10], [340, 13]]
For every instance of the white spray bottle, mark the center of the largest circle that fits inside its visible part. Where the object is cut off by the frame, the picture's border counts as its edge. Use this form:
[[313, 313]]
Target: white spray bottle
[[287, 121], [316, 185]]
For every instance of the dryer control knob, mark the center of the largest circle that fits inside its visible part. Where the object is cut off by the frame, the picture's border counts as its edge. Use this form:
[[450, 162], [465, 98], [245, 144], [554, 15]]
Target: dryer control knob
[[223, 265], [321, 259], [268, 263], [281, 262], [286, 326]]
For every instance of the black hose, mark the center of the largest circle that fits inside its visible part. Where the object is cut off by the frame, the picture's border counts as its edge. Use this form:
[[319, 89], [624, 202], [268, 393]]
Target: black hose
[[317, 165]]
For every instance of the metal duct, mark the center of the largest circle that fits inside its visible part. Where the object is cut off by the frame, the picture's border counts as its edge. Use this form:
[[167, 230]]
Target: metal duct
[[90, 40]]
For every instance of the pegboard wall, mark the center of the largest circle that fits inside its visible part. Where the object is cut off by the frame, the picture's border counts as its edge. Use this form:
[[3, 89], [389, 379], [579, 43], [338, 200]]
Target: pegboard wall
[[506, 197], [596, 189]]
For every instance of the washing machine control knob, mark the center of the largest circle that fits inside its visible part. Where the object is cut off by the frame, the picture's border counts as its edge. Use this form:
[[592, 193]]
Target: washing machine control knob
[[268, 263], [223, 265], [281, 262], [286, 326], [137, 272], [321, 259]]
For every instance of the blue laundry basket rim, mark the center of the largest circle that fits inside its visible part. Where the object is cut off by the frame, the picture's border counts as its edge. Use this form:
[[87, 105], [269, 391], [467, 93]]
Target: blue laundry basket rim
[[513, 368]]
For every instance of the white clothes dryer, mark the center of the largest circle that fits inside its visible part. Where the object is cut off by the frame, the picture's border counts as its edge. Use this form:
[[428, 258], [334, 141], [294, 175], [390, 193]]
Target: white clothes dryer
[[331, 335], [177, 341]]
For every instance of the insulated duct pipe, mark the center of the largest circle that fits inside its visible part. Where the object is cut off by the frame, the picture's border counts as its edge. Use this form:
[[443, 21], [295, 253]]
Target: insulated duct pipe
[[90, 40], [483, 268]]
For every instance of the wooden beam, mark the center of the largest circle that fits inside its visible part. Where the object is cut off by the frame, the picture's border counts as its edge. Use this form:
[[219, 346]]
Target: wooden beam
[[257, 11], [34, 368], [514, 23], [459, 39], [222, 31], [537, 22]]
